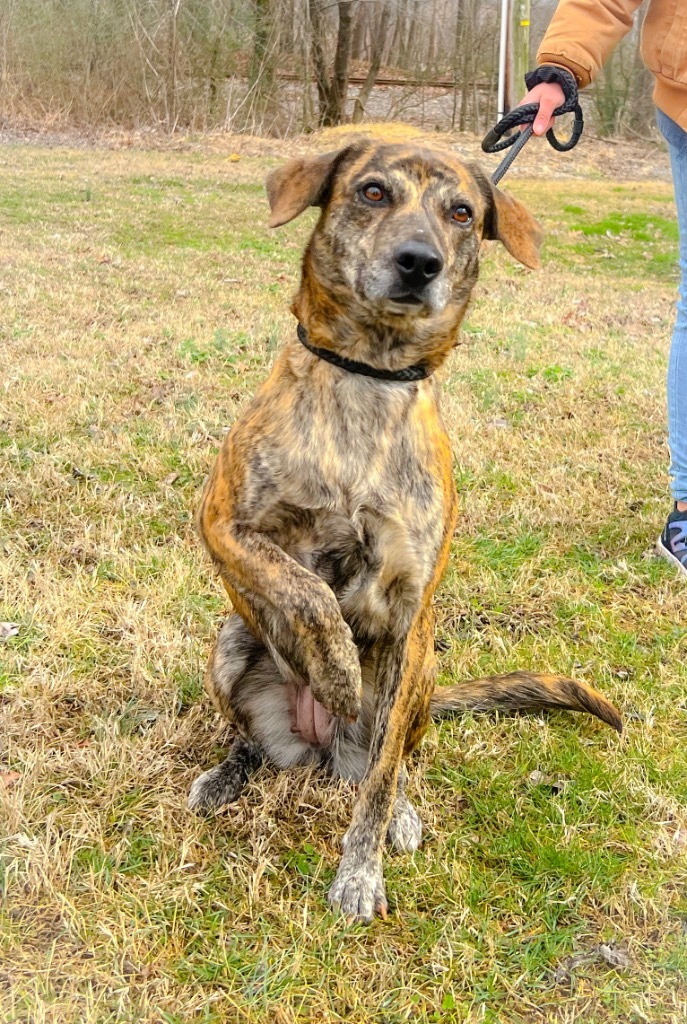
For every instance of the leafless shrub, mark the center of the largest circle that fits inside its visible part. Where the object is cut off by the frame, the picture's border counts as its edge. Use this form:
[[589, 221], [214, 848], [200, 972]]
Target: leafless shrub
[[270, 66]]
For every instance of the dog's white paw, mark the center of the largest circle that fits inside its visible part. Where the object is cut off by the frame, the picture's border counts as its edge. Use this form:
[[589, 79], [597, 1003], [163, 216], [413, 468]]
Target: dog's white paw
[[358, 891], [405, 828]]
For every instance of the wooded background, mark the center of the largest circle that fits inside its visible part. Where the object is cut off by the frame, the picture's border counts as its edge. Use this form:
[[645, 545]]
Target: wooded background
[[277, 66]]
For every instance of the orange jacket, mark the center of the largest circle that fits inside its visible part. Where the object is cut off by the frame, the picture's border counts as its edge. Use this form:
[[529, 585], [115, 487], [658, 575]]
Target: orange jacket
[[582, 35]]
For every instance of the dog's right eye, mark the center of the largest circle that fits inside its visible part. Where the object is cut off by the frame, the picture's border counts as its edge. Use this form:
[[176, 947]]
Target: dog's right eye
[[373, 193]]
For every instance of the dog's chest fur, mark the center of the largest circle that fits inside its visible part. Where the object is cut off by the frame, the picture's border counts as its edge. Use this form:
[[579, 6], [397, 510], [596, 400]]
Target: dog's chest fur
[[350, 490]]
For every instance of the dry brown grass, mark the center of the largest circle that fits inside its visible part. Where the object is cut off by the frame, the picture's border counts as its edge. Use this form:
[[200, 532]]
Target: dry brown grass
[[142, 301]]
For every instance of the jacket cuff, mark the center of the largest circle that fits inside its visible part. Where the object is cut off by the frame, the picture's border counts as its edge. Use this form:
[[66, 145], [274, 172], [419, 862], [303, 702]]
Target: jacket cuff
[[552, 73], [582, 75]]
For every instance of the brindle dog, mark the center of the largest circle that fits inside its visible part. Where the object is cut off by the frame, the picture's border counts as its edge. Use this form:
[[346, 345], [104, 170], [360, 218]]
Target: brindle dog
[[330, 509]]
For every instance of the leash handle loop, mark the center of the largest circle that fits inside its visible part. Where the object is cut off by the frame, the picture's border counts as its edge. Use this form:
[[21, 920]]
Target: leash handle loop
[[494, 141], [575, 135], [525, 115]]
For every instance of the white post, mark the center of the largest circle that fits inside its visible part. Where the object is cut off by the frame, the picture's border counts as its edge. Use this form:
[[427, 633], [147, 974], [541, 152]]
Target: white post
[[503, 57]]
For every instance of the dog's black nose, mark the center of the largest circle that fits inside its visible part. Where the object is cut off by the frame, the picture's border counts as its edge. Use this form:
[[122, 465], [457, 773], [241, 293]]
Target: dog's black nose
[[417, 263]]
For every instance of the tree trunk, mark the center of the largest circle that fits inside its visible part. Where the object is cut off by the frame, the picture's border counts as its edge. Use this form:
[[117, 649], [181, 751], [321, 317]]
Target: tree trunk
[[377, 51], [397, 42], [359, 41], [457, 39], [641, 106], [331, 92], [262, 65], [342, 60], [172, 111], [320, 61]]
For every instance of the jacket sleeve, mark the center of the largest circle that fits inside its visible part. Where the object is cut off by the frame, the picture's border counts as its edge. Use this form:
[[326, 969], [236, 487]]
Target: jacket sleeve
[[582, 34]]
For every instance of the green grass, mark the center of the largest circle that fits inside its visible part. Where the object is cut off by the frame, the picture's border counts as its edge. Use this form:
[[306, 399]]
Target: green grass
[[144, 300], [633, 237]]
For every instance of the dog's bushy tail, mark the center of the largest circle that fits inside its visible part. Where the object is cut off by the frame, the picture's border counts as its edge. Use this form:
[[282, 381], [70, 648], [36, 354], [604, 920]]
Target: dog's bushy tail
[[523, 691]]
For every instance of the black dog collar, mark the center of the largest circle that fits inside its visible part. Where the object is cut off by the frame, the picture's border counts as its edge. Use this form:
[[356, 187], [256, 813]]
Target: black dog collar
[[407, 375]]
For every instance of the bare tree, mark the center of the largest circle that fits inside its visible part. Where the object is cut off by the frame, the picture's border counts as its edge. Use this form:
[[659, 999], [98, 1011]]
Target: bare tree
[[379, 36], [262, 73], [332, 87], [273, 66]]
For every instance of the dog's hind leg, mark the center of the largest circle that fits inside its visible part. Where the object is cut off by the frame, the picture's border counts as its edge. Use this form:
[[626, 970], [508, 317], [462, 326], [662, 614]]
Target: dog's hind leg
[[234, 655], [404, 833], [248, 689], [225, 782]]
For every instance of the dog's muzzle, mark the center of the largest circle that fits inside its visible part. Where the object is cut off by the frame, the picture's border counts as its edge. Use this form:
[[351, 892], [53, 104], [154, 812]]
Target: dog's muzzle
[[417, 264], [408, 279]]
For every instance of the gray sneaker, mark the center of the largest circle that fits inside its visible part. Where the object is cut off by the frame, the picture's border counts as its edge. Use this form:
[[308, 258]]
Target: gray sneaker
[[672, 544]]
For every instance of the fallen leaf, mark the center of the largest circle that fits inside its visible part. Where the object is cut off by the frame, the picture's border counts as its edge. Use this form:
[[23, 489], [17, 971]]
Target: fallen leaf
[[564, 971], [172, 478], [614, 955], [680, 836], [562, 975], [25, 842], [8, 630], [8, 779]]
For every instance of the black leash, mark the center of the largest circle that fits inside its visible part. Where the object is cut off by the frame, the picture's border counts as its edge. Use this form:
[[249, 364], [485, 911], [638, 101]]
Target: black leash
[[493, 141], [405, 376]]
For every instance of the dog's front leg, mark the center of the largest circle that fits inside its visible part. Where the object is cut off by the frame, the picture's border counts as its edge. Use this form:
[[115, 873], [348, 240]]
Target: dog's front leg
[[358, 889], [293, 612]]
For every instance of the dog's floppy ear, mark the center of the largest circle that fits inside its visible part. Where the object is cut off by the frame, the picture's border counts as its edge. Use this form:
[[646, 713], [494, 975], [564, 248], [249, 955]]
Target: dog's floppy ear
[[300, 183], [508, 221]]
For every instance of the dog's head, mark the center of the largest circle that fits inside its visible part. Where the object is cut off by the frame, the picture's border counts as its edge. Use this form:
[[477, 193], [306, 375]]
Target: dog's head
[[400, 230]]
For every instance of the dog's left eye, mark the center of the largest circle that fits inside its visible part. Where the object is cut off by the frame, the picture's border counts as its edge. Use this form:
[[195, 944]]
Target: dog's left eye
[[461, 214], [373, 193]]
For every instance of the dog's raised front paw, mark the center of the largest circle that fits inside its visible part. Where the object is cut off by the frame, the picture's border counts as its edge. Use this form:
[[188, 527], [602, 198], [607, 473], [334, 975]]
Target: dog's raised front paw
[[358, 892], [336, 682], [405, 828]]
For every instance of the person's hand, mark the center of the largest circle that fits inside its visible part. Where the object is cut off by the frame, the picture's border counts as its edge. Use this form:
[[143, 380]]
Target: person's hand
[[549, 96]]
